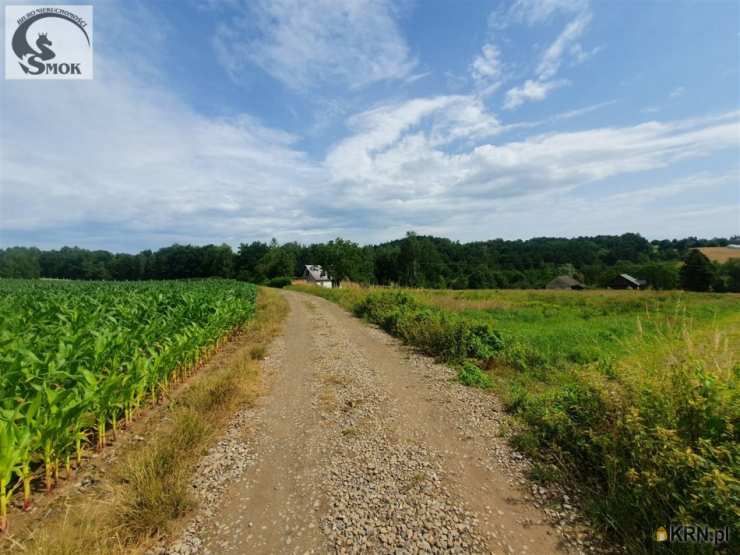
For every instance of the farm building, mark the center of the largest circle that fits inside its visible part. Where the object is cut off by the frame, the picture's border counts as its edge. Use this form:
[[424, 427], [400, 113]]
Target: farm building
[[626, 281], [315, 275], [565, 282]]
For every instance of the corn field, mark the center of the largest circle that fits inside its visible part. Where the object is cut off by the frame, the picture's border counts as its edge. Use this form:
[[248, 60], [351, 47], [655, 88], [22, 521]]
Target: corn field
[[77, 359]]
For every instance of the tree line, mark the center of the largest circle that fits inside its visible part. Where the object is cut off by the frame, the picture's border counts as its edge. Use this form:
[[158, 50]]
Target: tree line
[[413, 261]]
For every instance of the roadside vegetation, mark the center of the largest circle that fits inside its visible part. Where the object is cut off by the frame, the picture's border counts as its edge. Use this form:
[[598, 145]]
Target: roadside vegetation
[[631, 398], [173, 327]]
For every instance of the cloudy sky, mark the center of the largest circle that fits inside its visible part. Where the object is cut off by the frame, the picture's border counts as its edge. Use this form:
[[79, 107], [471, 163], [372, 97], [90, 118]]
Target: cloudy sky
[[236, 120]]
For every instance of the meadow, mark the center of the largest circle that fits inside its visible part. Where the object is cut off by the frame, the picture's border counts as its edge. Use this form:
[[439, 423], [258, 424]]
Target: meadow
[[628, 398], [78, 359]]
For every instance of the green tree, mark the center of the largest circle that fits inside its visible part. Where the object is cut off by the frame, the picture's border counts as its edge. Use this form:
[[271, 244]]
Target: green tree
[[481, 278], [727, 276], [661, 276], [217, 261], [731, 269], [343, 259], [247, 260], [278, 261], [20, 262], [697, 272]]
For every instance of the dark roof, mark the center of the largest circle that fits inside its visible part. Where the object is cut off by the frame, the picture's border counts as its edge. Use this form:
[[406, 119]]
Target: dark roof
[[565, 282], [316, 273]]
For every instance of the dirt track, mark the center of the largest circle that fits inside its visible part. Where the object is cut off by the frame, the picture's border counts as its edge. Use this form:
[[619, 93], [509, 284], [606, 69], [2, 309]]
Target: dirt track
[[362, 446]]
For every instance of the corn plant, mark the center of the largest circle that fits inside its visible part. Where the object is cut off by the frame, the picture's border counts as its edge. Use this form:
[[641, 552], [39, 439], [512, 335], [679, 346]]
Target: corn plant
[[78, 358]]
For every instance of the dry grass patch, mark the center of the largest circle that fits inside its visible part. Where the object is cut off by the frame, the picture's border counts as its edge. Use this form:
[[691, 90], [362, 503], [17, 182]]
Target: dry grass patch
[[720, 254], [80, 530], [258, 352]]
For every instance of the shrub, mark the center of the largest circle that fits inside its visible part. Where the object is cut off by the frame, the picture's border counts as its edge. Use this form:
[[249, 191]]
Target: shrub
[[473, 376], [673, 457], [279, 282], [446, 335]]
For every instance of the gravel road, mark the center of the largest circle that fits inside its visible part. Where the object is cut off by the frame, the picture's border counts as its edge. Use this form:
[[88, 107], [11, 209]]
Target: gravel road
[[362, 446]]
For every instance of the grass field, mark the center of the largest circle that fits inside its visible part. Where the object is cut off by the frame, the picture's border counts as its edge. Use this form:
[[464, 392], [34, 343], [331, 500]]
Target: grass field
[[630, 397], [720, 254]]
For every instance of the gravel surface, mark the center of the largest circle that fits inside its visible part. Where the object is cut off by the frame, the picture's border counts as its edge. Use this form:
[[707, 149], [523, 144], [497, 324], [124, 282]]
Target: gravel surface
[[386, 494], [362, 446]]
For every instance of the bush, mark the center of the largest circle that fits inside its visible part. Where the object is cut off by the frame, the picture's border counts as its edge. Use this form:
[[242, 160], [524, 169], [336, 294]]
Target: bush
[[446, 335], [279, 282], [473, 376]]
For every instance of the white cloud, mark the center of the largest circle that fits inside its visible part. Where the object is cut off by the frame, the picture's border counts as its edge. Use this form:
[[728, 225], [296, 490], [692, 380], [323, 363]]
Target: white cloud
[[123, 163], [579, 55], [307, 44], [157, 172], [647, 195], [565, 46], [417, 77], [146, 167], [552, 58], [530, 91], [403, 173], [674, 208], [378, 131], [582, 111], [486, 68], [533, 12]]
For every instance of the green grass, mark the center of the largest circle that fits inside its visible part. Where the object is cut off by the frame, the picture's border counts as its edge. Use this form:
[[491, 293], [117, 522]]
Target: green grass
[[630, 397]]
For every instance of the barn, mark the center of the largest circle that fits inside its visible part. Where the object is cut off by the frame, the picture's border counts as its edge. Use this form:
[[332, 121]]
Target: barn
[[565, 282], [315, 275], [626, 281]]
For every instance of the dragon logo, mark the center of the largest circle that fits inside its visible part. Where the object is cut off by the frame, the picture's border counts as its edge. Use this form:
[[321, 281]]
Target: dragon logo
[[45, 53], [40, 59]]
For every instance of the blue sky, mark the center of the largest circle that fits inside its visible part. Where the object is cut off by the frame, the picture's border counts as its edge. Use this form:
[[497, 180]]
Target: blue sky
[[231, 121]]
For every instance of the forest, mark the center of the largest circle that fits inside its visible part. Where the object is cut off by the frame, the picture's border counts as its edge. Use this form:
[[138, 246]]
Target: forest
[[412, 261]]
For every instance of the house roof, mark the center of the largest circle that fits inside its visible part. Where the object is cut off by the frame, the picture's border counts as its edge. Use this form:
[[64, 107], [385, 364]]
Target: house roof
[[317, 273], [564, 282], [633, 280]]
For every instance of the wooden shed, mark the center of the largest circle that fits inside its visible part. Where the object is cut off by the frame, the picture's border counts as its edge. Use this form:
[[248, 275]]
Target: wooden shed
[[626, 281]]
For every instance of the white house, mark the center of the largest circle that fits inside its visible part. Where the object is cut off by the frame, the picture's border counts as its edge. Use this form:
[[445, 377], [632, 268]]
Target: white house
[[315, 275]]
